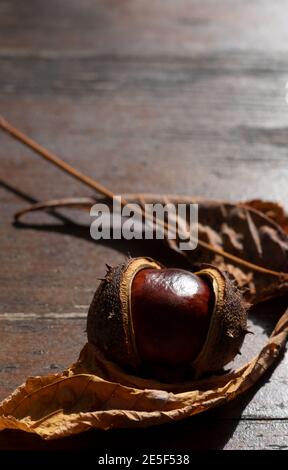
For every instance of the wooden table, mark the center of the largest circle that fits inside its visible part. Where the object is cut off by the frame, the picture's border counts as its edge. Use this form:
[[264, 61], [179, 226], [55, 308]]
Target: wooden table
[[182, 97]]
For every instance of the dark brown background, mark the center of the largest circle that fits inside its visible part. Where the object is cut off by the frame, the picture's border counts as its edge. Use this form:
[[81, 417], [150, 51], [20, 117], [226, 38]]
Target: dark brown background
[[159, 96]]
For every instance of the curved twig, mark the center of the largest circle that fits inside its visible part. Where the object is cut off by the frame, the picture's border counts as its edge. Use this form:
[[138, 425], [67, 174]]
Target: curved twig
[[81, 203]]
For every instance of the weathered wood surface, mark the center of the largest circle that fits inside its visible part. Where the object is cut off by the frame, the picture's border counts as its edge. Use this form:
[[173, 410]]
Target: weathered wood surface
[[180, 97]]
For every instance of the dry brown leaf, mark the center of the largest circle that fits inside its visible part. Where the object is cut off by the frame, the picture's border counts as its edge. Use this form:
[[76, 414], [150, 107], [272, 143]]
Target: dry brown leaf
[[243, 232], [273, 210], [95, 393]]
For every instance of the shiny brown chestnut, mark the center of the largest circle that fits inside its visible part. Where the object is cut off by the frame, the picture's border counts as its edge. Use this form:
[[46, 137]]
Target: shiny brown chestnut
[[171, 311], [168, 323]]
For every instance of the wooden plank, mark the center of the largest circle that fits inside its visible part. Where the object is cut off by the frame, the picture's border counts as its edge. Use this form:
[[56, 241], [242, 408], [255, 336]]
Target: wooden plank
[[143, 28], [95, 74], [217, 116], [190, 435], [37, 347]]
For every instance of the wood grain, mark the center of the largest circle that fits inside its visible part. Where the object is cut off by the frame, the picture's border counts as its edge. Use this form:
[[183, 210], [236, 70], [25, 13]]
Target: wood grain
[[180, 97]]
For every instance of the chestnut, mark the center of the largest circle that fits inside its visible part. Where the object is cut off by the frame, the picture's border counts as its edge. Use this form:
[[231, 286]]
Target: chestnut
[[168, 323], [171, 311]]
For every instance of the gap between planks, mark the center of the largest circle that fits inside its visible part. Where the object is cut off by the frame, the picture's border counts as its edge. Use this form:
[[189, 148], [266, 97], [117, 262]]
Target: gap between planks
[[16, 316]]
